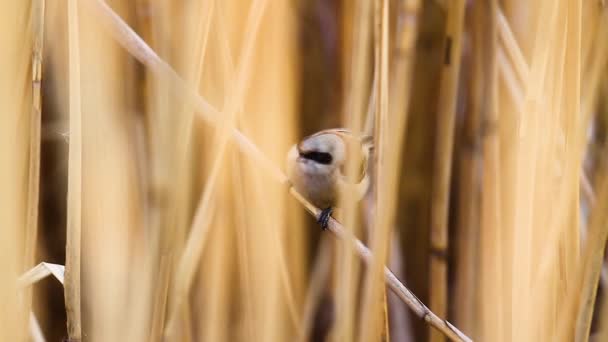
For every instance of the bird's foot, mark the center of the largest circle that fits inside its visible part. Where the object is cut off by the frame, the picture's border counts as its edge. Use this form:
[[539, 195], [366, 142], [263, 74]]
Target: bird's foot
[[324, 217]]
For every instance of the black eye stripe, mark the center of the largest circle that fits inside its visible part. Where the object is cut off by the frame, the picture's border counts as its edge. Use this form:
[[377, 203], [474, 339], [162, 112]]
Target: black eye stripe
[[319, 157]]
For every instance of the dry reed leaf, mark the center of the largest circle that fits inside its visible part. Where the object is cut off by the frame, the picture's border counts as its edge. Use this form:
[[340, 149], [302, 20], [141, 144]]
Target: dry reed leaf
[[41, 271]]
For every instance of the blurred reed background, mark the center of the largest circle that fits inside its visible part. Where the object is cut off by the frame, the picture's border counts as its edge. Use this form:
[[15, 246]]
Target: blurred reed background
[[490, 188]]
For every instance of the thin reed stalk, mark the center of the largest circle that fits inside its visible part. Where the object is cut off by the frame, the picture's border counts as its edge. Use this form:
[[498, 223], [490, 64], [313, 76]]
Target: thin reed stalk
[[31, 234], [16, 107], [386, 140], [593, 259], [442, 170], [490, 304], [468, 144], [318, 279], [358, 37], [74, 214]]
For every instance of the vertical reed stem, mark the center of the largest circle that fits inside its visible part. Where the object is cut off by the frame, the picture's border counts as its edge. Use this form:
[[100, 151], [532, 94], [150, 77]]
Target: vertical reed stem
[[73, 239], [448, 93]]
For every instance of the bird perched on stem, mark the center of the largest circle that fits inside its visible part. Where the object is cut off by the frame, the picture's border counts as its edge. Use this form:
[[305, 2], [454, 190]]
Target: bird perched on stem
[[317, 168]]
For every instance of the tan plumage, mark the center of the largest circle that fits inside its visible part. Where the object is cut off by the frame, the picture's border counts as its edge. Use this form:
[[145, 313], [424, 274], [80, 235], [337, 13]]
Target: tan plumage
[[316, 166]]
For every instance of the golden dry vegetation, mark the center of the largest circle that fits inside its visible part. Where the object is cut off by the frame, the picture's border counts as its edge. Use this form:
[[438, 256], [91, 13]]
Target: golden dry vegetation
[[143, 194]]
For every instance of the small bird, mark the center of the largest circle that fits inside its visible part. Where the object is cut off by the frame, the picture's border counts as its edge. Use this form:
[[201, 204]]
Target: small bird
[[317, 165]]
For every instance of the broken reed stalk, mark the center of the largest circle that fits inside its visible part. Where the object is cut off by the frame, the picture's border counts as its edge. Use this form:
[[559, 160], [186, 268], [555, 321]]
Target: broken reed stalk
[[442, 168], [31, 225], [142, 52], [74, 196]]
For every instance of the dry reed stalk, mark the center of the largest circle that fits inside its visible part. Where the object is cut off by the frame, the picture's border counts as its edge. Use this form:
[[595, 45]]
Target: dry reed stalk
[[498, 203], [400, 90], [469, 162], [404, 294], [574, 132], [196, 241], [35, 330], [603, 332], [318, 280], [511, 46], [442, 169], [243, 254], [491, 305], [593, 258], [586, 95], [74, 215], [374, 304], [514, 87], [198, 18], [16, 106], [546, 82], [286, 271], [592, 12], [525, 165], [593, 71], [565, 234], [31, 225], [168, 138], [112, 249], [137, 47], [271, 108], [399, 316], [358, 35], [153, 98]]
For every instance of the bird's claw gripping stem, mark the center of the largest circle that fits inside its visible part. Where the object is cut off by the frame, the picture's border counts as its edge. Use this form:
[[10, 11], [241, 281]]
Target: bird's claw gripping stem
[[324, 217]]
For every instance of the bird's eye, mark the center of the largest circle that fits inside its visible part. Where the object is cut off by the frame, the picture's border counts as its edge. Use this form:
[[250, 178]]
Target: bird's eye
[[319, 157]]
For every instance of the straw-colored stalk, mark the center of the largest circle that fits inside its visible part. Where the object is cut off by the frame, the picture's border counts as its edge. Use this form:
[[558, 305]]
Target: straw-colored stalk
[[31, 234], [358, 34], [318, 279], [446, 114], [400, 90], [74, 215], [198, 19], [141, 51], [468, 232], [544, 124], [198, 235], [374, 310], [16, 107], [593, 258], [490, 306], [168, 138]]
